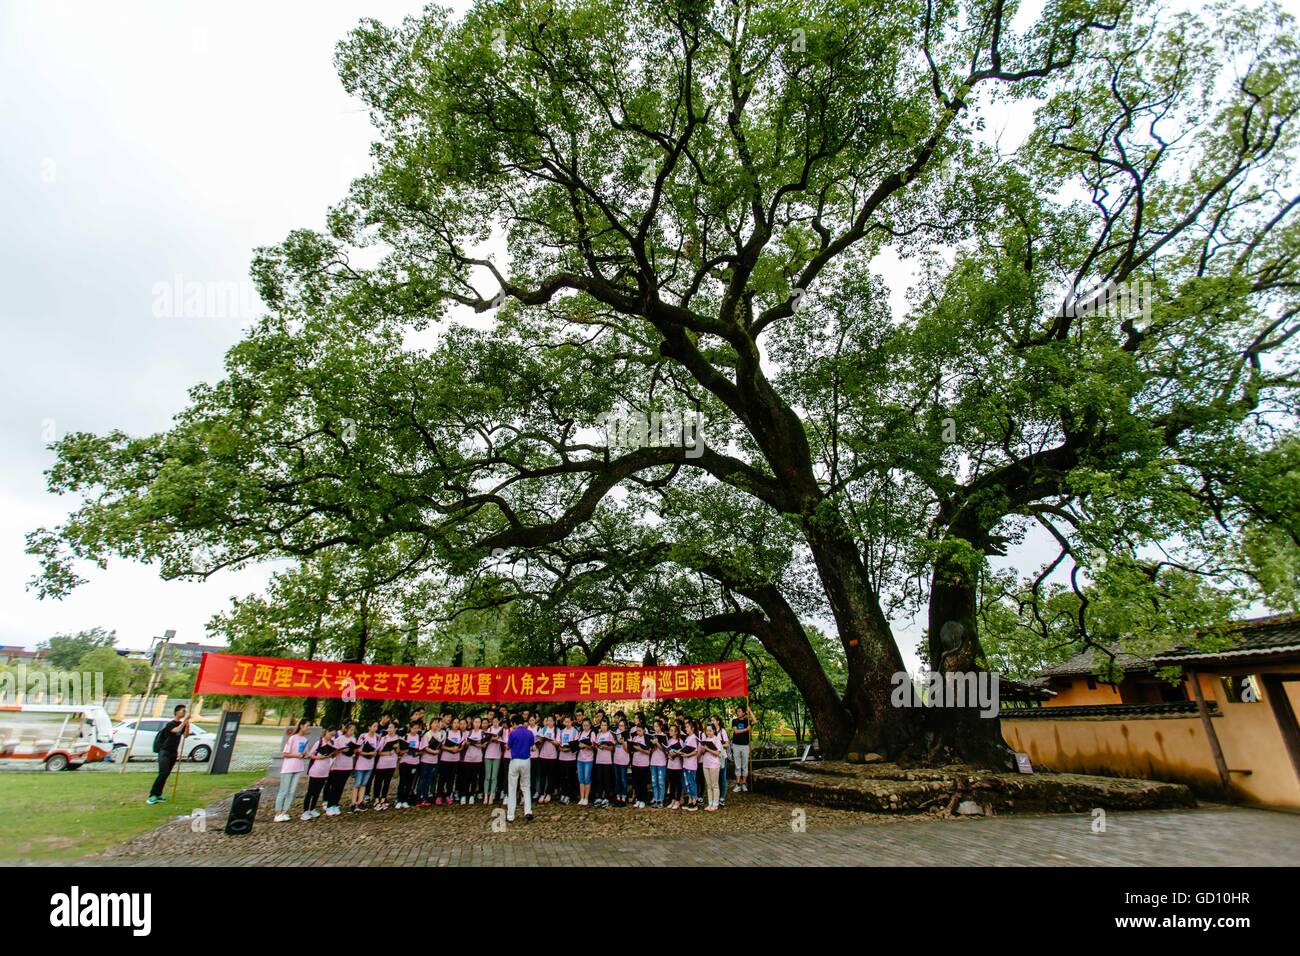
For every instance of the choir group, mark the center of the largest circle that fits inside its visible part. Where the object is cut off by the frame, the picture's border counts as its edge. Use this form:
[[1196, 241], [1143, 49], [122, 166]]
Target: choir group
[[668, 762]]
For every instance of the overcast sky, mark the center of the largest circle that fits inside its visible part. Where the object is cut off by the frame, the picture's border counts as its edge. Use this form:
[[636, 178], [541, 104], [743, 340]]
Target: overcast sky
[[144, 146], [138, 143]]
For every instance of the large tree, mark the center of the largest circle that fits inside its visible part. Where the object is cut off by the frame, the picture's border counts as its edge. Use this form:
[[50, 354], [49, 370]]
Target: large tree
[[686, 206]]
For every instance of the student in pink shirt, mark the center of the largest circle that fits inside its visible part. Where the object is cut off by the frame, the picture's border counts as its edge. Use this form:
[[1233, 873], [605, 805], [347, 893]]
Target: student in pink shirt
[[408, 764], [690, 762], [548, 758], [292, 767], [492, 760], [474, 748], [658, 764], [710, 761], [724, 748], [622, 760], [639, 744], [603, 772], [586, 760], [426, 775], [385, 764], [318, 772], [675, 766], [568, 764], [340, 768], [450, 774], [534, 771], [367, 749]]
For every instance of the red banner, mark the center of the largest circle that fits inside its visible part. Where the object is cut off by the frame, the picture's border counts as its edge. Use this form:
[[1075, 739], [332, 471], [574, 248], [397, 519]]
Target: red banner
[[237, 675]]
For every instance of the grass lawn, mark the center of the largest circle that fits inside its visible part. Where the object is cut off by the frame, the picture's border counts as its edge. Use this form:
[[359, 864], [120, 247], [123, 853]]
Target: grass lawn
[[59, 816]]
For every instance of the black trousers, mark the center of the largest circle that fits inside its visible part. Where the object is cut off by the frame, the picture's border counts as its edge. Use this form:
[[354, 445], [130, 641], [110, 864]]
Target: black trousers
[[447, 776], [314, 787], [641, 783], [406, 782], [547, 778], [338, 779], [602, 781], [674, 789], [569, 778], [474, 774], [166, 760], [382, 780]]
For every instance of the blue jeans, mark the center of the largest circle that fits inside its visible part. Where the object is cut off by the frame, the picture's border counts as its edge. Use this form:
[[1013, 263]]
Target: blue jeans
[[658, 782], [620, 781], [584, 771], [424, 782], [688, 783]]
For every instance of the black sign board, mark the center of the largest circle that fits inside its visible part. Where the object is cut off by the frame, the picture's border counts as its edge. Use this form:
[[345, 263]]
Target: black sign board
[[225, 741]]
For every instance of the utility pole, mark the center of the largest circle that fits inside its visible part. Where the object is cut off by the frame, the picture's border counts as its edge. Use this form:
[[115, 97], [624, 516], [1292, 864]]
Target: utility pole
[[156, 659]]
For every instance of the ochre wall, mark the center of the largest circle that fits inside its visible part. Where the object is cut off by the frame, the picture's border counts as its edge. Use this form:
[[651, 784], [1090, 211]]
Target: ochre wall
[[1172, 748]]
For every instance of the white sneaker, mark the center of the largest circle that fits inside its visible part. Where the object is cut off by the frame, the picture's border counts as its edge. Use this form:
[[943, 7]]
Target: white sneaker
[[306, 815], [282, 818], [640, 804], [582, 803]]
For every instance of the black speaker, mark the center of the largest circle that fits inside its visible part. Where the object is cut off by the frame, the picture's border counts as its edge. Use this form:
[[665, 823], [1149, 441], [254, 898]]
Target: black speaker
[[243, 808]]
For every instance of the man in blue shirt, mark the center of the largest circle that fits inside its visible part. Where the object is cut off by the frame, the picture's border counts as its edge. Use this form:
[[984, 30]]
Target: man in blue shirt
[[521, 744]]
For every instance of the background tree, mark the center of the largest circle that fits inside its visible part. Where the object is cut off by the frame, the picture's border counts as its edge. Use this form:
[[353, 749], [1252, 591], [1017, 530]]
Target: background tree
[[65, 651]]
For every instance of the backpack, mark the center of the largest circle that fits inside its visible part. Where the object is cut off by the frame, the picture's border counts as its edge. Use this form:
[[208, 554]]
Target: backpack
[[158, 739]]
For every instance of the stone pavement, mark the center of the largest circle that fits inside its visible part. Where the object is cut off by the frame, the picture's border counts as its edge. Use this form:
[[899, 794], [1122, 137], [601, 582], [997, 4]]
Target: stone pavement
[[1214, 836]]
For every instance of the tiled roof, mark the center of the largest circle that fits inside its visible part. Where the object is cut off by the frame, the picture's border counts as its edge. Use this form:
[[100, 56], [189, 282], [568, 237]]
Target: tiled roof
[[1090, 659], [1278, 634], [1258, 637]]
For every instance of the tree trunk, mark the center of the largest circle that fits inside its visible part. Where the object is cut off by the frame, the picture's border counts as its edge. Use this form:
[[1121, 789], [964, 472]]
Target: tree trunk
[[871, 656], [959, 733]]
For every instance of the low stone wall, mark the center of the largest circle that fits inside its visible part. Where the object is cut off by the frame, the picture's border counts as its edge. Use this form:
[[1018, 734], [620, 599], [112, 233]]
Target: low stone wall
[[886, 788]]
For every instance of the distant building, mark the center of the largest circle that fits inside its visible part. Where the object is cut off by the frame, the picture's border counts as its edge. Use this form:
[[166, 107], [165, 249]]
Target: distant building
[[1227, 726], [188, 655], [13, 653]]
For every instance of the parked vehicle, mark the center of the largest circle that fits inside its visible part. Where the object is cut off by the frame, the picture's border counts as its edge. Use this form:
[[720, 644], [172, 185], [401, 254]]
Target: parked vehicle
[[62, 736], [199, 744]]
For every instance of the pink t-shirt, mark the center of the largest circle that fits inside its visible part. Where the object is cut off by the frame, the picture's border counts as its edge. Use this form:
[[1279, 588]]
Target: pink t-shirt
[[547, 749], [567, 734], [710, 758], [585, 754], [640, 758], [674, 759], [342, 762], [388, 760], [431, 740], [367, 762], [493, 751], [621, 756], [296, 744], [411, 757], [453, 738], [474, 752], [604, 756], [690, 743], [657, 756], [318, 768]]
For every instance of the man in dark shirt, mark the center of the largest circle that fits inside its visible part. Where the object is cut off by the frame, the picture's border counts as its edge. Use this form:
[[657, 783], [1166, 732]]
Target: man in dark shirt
[[740, 728], [173, 733]]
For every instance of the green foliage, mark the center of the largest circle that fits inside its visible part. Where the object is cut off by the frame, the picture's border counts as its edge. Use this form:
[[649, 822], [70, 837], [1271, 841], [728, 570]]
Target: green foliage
[[65, 651]]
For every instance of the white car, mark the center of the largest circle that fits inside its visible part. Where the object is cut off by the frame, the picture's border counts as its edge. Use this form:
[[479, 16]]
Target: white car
[[199, 744]]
